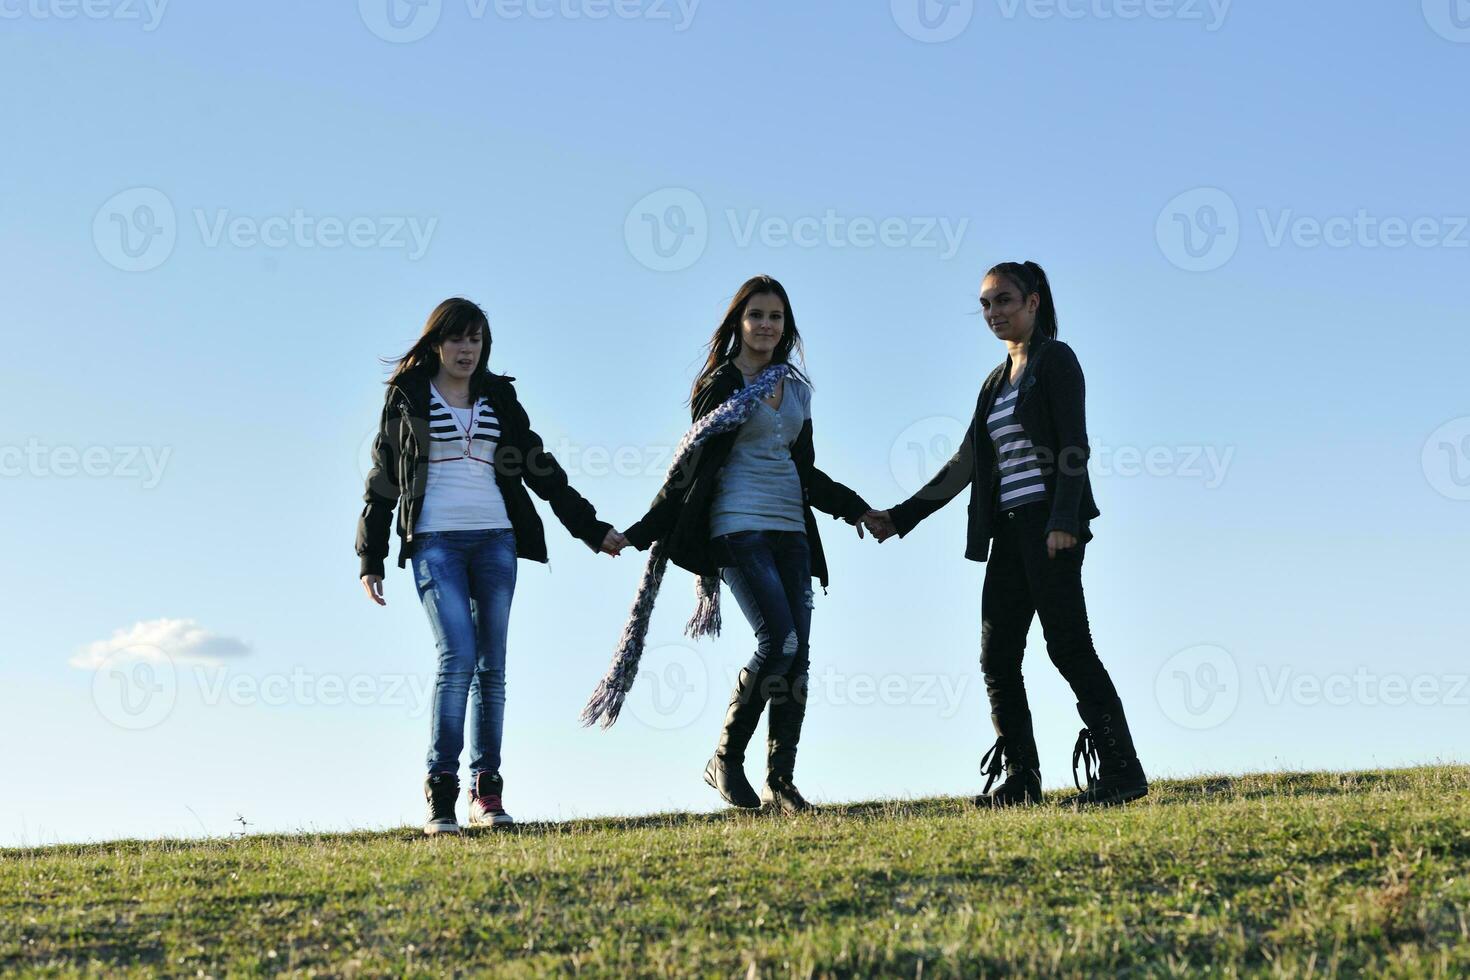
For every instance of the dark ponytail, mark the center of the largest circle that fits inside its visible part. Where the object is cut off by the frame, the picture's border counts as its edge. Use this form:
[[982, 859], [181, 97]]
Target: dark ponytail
[[1031, 278]]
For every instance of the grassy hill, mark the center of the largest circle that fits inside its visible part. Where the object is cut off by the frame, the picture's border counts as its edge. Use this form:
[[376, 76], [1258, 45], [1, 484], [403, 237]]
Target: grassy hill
[[1291, 874]]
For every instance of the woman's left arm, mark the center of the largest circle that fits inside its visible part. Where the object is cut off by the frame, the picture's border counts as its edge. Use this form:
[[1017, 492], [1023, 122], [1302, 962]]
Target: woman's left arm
[[823, 492], [544, 475], [1066, 394]]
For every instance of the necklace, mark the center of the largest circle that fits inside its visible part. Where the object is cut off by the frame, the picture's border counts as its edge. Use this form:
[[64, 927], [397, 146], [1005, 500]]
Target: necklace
[[467, 430]]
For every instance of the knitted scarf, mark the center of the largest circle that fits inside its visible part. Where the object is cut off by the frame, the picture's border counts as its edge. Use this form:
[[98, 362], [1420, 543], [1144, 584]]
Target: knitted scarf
[[607, 701]]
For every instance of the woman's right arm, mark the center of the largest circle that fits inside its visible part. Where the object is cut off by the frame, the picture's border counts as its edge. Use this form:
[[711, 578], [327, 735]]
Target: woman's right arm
[[379, 498], [942, 487]]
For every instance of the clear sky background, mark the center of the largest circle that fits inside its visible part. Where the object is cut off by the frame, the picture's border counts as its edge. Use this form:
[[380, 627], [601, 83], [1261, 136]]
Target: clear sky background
[[1254, 215]]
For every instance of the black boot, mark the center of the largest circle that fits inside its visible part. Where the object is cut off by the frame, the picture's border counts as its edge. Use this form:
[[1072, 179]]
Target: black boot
[[788, 711], [1022, 785], [726, 771], [1105, 748], [1014, 754]]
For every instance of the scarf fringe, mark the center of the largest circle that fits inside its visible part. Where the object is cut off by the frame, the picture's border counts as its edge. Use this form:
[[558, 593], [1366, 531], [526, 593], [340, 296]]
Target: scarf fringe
[[706, 618], [606, 702], [607, 699]]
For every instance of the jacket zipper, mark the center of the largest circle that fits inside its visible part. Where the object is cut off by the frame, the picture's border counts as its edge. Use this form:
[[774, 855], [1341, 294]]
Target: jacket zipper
[[408, 501]]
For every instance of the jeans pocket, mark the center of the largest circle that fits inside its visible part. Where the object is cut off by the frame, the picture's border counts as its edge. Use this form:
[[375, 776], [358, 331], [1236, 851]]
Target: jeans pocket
[[725, 546]]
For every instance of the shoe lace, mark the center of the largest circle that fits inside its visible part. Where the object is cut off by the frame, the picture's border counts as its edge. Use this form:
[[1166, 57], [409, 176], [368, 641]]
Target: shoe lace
[[1085, 751], [992, 763], [442, 796], [492, 803]]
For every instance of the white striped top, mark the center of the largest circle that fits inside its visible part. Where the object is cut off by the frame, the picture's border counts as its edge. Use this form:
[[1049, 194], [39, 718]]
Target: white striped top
[[461, 494], [1021, 479]]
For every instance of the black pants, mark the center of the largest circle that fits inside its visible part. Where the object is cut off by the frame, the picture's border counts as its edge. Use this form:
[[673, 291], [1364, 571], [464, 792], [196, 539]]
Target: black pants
[[1020, 580]]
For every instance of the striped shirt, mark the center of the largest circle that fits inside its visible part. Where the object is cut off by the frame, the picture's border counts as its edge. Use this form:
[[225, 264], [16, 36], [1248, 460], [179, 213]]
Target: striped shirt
[[462, 494], [1020, 468]]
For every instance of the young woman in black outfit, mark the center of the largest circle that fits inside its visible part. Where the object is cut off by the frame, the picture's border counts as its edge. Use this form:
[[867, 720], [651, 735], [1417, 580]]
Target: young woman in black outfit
[[1024, 459], [741, 508]]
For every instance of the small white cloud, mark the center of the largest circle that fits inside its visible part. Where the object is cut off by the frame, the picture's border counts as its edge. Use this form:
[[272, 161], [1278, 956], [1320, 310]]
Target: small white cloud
[[159, 640]]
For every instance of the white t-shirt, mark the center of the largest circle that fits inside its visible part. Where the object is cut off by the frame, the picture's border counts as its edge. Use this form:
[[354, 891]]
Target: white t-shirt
[[462, 494]]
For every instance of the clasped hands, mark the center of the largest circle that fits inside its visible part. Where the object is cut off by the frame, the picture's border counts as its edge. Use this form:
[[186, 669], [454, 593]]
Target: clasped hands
[[880, 525]]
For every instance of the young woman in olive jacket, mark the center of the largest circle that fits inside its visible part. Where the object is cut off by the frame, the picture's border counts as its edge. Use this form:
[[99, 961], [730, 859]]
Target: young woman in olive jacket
[[1024, 459], [741, 508], [454, 454]]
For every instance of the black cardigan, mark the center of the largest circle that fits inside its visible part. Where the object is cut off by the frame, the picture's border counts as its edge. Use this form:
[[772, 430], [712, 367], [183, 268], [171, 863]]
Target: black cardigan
[[679, 514], [1050, 409], [399, 475]]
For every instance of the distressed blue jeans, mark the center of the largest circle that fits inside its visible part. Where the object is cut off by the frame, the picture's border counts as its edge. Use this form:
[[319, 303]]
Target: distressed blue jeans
[[769, 573], [466, 579]]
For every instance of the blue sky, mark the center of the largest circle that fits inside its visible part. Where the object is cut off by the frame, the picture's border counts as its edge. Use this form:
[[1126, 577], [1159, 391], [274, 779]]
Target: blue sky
[[213, 222]]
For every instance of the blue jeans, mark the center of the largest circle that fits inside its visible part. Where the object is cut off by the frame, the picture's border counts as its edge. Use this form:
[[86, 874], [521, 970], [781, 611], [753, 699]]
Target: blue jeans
[[769, 573], [465, 580]]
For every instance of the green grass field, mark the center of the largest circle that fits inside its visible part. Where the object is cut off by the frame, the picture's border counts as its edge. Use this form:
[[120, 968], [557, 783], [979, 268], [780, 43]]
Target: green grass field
[[1294, 874]]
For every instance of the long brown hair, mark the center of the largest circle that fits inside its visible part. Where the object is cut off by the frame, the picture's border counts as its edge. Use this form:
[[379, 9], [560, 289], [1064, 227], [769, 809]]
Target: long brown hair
[[452, 319], [725, 342]]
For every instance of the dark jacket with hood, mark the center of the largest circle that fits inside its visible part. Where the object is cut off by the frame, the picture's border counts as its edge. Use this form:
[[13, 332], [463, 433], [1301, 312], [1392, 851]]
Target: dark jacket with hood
[[679, 515], [1050, 410], [399, 474]]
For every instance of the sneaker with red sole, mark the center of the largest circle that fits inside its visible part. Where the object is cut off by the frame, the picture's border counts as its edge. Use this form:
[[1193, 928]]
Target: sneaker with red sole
[[486, 807]]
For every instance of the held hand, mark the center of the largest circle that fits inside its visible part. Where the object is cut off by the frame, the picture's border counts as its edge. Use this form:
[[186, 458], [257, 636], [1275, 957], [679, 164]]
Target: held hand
[[1059, 541], [374, 586], [880, 525], [613, 543]]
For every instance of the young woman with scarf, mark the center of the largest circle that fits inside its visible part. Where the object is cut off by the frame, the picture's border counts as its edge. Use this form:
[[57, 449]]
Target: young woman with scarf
[[737, 504], [454, 454], [1024, 459]]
